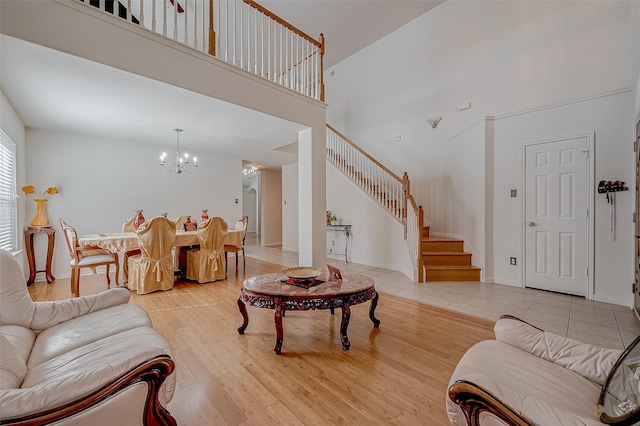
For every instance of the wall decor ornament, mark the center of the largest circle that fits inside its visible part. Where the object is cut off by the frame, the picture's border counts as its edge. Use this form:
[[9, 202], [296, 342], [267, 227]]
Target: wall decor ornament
[[40, 218]]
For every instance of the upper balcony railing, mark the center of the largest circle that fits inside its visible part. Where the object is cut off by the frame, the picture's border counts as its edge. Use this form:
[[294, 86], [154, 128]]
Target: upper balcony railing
[[239, 32]]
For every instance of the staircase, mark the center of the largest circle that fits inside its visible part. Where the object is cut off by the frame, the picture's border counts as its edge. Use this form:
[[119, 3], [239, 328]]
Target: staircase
[[444, 259], [434, 258]]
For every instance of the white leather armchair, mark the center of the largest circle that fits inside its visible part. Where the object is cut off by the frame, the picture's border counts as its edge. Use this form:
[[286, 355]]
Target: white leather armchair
[[92, 360], [528, 377]]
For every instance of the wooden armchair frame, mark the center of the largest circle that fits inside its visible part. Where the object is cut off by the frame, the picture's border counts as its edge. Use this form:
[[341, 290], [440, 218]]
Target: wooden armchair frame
[[473, 400], [153, 372]]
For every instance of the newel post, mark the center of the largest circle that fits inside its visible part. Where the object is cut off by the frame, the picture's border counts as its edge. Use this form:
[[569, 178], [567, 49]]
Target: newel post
[[405, 195], [212, 33], [322, 67], [420, 259]]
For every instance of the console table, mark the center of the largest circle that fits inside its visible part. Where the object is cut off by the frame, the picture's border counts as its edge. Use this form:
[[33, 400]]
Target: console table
[[346, 229], [29, 232], [272, 291]]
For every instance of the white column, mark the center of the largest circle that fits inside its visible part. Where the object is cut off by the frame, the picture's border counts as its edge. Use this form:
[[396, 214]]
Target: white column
[[312, 196]]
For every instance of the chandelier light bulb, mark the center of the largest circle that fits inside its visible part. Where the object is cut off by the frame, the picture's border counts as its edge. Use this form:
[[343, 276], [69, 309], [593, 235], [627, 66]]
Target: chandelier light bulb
[[250, 172], [182, 162]]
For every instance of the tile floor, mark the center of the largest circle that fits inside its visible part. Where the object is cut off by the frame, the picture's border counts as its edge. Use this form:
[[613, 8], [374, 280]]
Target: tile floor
[[597, 323]]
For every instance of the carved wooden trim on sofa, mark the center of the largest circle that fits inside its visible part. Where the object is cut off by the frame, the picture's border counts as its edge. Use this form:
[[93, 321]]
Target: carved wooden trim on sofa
[[474, 400], [153, 372], [507, 316]]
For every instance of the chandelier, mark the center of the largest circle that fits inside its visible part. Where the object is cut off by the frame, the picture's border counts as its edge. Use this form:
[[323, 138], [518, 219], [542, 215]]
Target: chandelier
[[250, 172], [182, 163]]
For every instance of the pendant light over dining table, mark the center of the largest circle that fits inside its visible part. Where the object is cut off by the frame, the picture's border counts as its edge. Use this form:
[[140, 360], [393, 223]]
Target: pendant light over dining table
[[182, 163]]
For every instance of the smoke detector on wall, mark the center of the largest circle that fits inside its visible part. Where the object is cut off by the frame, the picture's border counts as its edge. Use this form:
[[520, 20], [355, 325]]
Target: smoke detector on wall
[[433, 121]]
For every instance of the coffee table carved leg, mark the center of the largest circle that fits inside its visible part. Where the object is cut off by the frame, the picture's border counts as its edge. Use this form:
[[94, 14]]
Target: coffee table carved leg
[[372, 311], [278, 320], [243, 311], [346, 316]]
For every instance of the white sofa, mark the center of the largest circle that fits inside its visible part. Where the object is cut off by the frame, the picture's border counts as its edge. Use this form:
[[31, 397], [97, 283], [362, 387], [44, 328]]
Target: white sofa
[[528, 377], [93, 360]]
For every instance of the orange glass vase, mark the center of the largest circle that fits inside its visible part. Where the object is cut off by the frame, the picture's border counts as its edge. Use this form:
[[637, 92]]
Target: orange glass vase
[[41, 218]]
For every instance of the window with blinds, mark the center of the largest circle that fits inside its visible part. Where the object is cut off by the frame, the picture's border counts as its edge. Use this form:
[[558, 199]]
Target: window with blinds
[[8, 203]]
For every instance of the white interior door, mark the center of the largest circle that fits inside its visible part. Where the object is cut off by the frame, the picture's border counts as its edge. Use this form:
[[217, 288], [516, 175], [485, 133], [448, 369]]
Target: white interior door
[[556, 214]]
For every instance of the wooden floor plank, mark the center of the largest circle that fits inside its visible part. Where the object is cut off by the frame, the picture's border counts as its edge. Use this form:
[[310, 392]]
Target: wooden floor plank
[[396, 374]]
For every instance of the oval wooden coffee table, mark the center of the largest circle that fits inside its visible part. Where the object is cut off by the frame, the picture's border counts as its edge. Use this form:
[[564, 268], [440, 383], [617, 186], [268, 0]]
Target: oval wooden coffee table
[[275, 291]]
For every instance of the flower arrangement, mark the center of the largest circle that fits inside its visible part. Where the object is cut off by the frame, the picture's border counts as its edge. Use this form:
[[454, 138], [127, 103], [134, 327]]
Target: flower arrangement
[[331, 218], [41, 218], [30, 189]]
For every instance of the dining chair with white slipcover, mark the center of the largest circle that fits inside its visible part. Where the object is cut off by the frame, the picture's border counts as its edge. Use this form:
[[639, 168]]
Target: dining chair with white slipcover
[[180, 221], [86, 257], [152, 269], [205, 264]]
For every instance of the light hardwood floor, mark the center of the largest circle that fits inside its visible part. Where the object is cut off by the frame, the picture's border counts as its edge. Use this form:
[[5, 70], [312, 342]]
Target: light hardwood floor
[[397, 374]]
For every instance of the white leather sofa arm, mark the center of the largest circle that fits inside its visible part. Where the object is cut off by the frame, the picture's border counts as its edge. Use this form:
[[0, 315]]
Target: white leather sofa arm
[[48, 314], [591, 362], [114, 401], [67, 379]]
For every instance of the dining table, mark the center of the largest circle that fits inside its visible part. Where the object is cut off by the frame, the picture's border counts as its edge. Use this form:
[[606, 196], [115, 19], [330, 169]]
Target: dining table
[[126, 241]]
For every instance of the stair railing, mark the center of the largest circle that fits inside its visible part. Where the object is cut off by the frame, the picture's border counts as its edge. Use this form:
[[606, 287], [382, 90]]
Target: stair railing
[[239, 32], [393, 192], [413, 237], [375, 179]]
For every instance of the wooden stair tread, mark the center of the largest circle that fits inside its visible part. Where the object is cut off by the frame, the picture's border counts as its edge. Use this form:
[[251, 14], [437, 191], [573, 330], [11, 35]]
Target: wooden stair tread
[[446, 253], [470, 267]]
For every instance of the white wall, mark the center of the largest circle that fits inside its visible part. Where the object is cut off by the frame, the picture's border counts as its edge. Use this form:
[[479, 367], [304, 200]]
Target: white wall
[[102, 182], [290, 220], [503, 58], [377, 238], [611, 120], [463, 193]]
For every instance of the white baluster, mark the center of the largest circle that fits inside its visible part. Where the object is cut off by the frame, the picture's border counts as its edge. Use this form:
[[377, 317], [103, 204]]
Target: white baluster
[[153, 15], [164, 19], [115, 5], [175, 20], [241, 32], [194, 21]]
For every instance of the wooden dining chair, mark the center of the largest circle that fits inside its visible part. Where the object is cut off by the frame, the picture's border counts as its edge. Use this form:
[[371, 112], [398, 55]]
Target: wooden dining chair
[[128, 226], [86, 257], [240, 224]]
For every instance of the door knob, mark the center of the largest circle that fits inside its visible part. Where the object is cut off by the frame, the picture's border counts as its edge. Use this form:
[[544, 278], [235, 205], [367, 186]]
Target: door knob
[[532, 224]]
